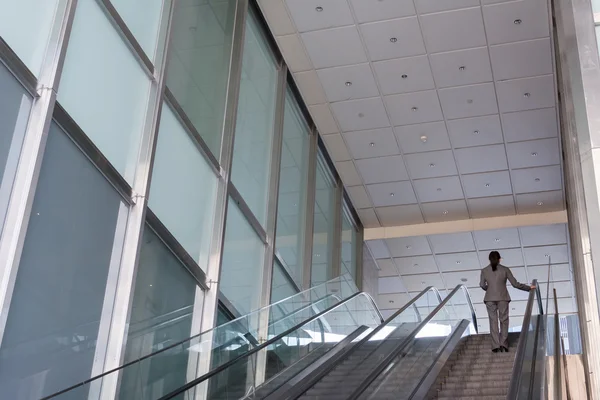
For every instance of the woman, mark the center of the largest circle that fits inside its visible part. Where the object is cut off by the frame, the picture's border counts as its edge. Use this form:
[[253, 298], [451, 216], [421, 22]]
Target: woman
[[493, 281]]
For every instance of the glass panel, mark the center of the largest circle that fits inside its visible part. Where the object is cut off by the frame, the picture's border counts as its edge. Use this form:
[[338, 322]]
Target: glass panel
[[243, 262], [143, 19], [15, 104], [101, 73], [161, 316], [26, 25], [74, 236], [255, 121], [596, 6], [348, 246], [183, 189], [322, 257], [199, 59], [293, 184], [281, 287]]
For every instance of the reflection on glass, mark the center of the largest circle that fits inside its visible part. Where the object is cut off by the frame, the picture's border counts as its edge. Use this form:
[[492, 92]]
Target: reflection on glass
[[183, 189], [199, 60], [15, 104], [324, 224], [26, 25], [143, 19], [113, 117], [242, 265], [281, 287], [293, 184], [74, 236], [161, 315], [253, 140], [348, 246]]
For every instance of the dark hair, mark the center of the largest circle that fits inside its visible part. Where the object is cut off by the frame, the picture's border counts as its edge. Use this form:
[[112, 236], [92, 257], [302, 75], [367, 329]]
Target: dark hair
[[494, 254]]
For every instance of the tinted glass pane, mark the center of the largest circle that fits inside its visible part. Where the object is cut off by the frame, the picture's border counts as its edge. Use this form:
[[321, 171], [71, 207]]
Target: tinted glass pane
[[255, 121], [348, 246], [199, 63], [74, 236], [143, 19], [322, 257], [282, 288], [183, 189], [112, 114]]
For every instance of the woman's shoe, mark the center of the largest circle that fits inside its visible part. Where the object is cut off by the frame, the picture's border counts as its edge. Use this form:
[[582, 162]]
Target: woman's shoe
[[495, 350], [504, 349]]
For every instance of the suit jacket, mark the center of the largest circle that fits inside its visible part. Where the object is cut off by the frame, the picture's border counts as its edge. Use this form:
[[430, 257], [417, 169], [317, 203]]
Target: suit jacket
[[494, 283]]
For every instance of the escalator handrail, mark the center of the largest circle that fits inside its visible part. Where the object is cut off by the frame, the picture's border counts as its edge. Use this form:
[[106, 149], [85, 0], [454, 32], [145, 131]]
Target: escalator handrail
[[470, 303], [383, 365], [515, 379], [275, 339], [375, 306]]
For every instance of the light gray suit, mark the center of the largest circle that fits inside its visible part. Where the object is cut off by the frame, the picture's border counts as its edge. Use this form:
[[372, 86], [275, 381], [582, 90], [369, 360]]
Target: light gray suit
[[496, 300]]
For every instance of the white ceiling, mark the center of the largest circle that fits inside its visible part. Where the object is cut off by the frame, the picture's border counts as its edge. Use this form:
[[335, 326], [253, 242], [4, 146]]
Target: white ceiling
[[432, 110], [408, 265]]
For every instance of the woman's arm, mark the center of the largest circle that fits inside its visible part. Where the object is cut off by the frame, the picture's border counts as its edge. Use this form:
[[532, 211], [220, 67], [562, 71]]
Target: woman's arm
[[515, 283], [482, 282]]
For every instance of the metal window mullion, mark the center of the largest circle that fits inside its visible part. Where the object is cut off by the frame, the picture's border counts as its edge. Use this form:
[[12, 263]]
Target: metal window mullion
[[21, 198], [110, 349], [309, 218], [358, 251], [336, 237]]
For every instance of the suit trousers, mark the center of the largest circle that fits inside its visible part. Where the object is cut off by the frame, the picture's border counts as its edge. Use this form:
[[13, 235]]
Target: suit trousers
[[498, 310]]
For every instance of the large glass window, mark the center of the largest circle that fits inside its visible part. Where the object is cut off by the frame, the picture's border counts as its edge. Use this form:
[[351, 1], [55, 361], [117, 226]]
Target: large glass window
[[199, 61], [183, 189], [104, 87], [293, 184], [282, 288], [349, 236], [74, 236], [143, 19], [324, 225], [243, 261], [26, 25], [161, 315], [253, 141], [15, 104]]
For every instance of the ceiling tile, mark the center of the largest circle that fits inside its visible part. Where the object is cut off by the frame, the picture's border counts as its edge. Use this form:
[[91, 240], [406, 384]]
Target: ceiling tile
[[558, 254], [452, 242], [400, 215], [529, 125], [416, 283], [378, 248], [414, 108], [468, 278], [563, 289], [348, 83], [510, 257], [469, 101], [310, 87], [523, 59], [541, 179], [544, 235], [348, 173], [408, 246], [517, 295], [293, 52], [383, 143], [393, 39], [497, 238], [368, 218], [478, 131], [477, 297], [323, 118], [526, 93], [438, 189], [392, 194], [404, 75], [431, 165], [540, 202], [376, 10], [416, 265], [453, 30], [487, 184], [308, 17], [445, 211], [431, 6], [336, 147], [277, 16], [334, 47], [359, 197], [489, 207], [458, 261], [382, 169], [560, 272], [387, 267], [393, 301], [461, 67], [422, 138], [357, 115], [533, 153], [516, 21], [473, 160]]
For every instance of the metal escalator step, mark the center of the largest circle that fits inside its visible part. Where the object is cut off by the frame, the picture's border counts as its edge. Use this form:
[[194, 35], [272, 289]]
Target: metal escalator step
[[472, 398], [478, 378], [483, 391]]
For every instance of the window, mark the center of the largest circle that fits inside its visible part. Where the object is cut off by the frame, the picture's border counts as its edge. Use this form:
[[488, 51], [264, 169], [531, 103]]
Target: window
[[199, 60], [253, 141], [142, 17], [104, 87], [183, 188], [282, 288], [349, 234], [75, 235]]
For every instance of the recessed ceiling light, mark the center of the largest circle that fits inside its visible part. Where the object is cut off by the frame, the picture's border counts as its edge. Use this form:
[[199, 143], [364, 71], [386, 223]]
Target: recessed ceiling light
[[462, 68], [459, 262], [317, 255], [540, 203], [475, 132], [422, 282], [150, 285], [348, 83], [445, 212], [404, 76], [497, 240], [193, 28], [527, 94], [537, 179], [439, 189], [463, 279], [487, 185], [409, 247], [391, 301], [533, 154], [431, 165], [392, 194], [372, 144], [417, 265], [546, 255], [414, 108], [360, 115], [319, 9], [393, 40], [469, 101], [517, 22], [424, 139]]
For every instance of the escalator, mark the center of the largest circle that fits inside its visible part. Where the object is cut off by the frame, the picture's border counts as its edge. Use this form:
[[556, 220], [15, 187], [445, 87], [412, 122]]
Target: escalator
[[345, 351]]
